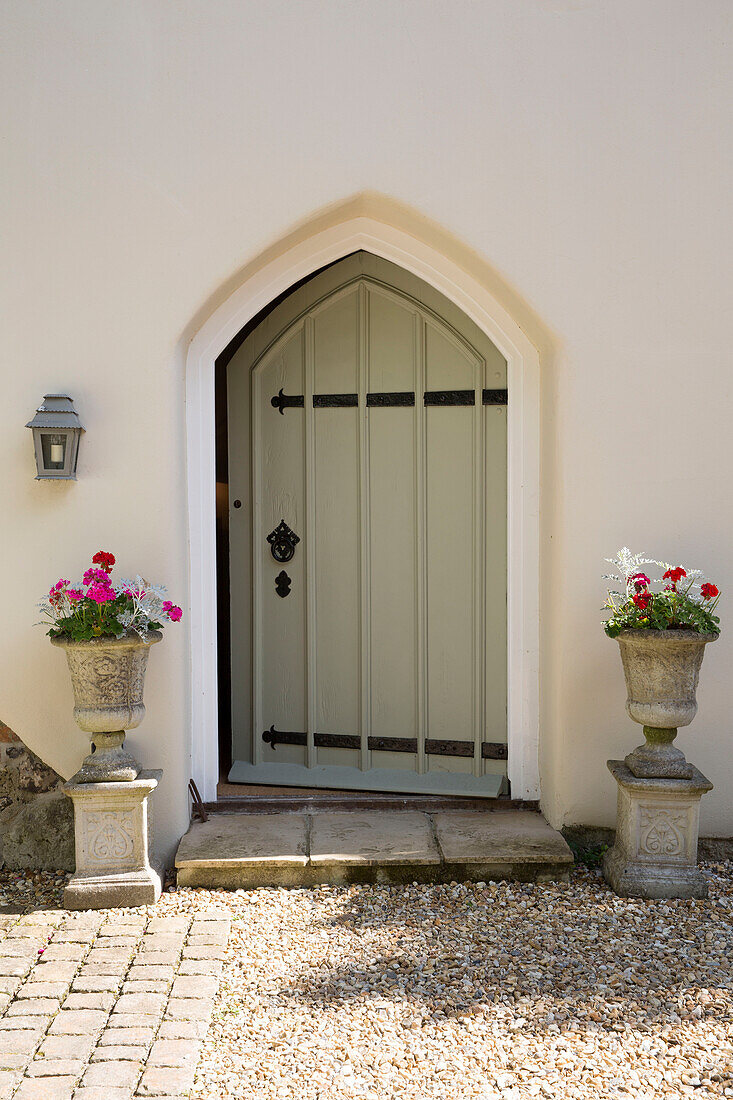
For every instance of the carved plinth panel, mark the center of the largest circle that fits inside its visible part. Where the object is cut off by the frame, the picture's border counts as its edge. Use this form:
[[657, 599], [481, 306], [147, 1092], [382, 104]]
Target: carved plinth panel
[[109, 836], [663, 831]]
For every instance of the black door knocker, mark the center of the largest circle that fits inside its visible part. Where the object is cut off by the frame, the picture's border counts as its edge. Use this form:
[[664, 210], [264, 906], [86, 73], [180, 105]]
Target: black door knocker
[[282, 542], [282, 584]]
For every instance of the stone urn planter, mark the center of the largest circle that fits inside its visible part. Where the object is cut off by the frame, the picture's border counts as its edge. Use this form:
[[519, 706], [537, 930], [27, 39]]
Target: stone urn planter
[[658, 804], [108, 677], [662, 633], [661, 668]]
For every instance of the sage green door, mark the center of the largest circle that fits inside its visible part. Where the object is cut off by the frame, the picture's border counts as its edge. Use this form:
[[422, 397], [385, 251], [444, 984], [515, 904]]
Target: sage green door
[[367, 463]]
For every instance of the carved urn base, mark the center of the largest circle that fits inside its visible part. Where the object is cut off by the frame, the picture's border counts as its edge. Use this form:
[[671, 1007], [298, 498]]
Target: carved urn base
[[655, 853], [109, 763], [112, 834], [658, 758]]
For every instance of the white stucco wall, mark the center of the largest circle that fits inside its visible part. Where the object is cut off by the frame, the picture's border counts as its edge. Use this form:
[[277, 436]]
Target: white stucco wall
[[151, 150]]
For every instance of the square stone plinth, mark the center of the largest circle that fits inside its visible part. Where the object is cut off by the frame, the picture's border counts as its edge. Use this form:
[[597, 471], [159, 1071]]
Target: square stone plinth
[[655, 852], [112, 844]]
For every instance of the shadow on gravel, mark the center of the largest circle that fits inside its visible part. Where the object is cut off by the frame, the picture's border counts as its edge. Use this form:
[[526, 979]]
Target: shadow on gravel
[[546, 955]]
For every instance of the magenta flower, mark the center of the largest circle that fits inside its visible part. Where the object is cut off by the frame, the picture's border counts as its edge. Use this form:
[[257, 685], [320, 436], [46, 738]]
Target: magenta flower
[[95, 608], [95, 575], [100, 593]]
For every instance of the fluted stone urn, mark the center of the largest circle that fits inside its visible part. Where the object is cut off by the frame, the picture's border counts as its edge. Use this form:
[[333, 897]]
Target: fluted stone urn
[[661, 669], [108, 678]]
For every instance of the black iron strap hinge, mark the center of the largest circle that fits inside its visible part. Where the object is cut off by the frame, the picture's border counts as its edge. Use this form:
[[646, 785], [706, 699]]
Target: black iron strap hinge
[[402, 399], [283, 401], [490, 750], [464, 397], [335, 400]]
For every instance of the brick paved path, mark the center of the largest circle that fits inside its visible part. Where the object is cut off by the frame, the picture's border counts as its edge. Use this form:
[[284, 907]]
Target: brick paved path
[[105, 1006]]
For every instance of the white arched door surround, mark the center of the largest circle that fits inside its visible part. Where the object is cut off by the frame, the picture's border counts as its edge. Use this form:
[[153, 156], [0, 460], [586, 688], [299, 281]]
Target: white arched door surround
[[302, 255]]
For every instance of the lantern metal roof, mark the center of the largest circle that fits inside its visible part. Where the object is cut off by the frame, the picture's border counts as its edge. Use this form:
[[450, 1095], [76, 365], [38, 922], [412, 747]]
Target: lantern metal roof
[[56, 411]]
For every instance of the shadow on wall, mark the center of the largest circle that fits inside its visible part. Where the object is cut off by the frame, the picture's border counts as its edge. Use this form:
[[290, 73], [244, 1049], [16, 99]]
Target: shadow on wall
[[36, 817]]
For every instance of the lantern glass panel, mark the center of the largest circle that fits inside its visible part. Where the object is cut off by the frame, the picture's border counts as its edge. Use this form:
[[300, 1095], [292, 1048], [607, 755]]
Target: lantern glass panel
[[53, 446]]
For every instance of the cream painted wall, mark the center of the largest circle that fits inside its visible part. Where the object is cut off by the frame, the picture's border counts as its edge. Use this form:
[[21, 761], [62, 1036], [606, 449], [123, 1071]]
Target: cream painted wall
[[151, 150]]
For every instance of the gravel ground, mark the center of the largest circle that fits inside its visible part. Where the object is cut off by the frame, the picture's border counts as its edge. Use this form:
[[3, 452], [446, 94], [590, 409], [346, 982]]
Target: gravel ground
[[495, 990]]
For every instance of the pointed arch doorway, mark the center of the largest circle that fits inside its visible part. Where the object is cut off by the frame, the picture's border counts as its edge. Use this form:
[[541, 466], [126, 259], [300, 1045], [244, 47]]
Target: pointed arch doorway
[[367, 540], [379, 226]]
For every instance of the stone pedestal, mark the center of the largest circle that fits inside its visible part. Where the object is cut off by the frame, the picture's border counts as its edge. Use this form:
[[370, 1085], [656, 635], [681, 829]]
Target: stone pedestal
[[112, 844], [655, 854]]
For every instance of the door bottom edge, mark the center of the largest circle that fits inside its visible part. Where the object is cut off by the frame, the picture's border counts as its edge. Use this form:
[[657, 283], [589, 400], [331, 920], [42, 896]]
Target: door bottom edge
[[397, 781]]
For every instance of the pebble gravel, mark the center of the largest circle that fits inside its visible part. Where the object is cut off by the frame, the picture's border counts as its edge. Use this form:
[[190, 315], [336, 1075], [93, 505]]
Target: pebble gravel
[[495, 990], [23, 891]]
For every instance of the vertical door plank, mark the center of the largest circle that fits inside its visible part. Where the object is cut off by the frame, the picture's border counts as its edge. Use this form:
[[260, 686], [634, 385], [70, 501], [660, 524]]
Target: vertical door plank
[[337, 525], [495, 654], [451, 537], [421, 549], [279, 493], [479, 570], [311, 630], [365, 569], [392, 530], [240, 551]]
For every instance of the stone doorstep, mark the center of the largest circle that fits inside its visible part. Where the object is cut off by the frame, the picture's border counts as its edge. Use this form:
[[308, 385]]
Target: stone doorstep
[[339, 847]]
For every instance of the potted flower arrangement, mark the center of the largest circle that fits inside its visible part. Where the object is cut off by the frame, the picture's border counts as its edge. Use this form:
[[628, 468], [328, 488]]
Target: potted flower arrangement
[[662, 628], [106, 631]]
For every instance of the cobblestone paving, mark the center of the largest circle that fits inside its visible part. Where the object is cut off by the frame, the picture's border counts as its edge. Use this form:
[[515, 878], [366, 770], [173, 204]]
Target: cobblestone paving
[[106, 1006]]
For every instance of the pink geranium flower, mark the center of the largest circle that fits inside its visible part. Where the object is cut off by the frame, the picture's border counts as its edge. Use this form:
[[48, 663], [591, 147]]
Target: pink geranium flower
[[95, 608], [100, 593], [95, 576]]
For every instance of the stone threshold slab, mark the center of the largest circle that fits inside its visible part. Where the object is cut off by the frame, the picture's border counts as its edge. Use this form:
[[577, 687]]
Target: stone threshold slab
[[310, 848]]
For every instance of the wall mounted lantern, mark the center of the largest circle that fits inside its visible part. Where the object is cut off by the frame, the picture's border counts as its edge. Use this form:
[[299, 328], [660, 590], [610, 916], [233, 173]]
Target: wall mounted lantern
[[56, 430]]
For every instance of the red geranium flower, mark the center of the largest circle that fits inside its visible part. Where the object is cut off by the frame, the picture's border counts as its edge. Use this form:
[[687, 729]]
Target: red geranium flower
[[105, 560], [709, 591], [642, 600], [675, 575]]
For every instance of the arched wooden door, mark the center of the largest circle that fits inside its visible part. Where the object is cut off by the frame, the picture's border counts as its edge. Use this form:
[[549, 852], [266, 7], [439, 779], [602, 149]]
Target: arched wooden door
[[367, 480]]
